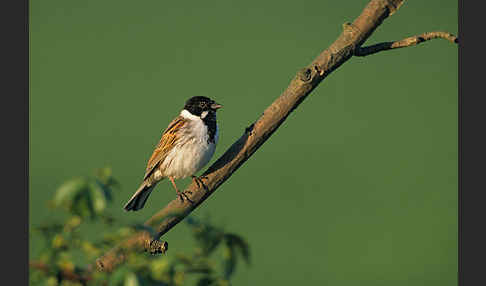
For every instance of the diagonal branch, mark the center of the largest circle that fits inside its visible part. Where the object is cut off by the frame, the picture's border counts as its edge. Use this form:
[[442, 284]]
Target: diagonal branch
[[407, 42], [353, 36]]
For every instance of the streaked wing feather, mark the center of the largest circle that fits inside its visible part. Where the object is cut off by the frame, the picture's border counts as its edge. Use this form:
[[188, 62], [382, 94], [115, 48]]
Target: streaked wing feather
[[168, 140]]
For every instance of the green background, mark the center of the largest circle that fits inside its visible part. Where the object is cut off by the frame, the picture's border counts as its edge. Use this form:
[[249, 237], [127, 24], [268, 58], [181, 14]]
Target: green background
[[358, 187]]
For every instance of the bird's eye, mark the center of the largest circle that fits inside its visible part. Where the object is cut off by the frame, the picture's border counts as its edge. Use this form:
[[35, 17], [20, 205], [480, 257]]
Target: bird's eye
[[202, 104]]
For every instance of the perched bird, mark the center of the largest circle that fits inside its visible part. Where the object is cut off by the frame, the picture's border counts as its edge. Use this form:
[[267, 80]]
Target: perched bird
[[186, 146]]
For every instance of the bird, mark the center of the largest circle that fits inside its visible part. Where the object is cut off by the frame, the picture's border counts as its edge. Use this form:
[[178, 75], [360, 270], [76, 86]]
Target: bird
[[186, 146]]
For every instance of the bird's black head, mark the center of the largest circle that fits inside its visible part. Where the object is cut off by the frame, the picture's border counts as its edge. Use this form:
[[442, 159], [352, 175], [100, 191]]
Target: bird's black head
[[198, 104]]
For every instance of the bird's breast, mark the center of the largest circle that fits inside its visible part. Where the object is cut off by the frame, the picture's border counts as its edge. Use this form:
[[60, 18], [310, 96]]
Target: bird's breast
[[191, 153]]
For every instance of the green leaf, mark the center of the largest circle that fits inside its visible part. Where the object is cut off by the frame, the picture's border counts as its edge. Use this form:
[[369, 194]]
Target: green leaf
[[222, 282], [159, 268], [83, 205], [51, 281], [131, 280], [48, 230], [105, 189], [229, 260], [208, 236], [240, 244], [205, 281], [59, 241], [118, 276], [81, 197], [104, 174], [72, 223], [68, 191], [98, 198]]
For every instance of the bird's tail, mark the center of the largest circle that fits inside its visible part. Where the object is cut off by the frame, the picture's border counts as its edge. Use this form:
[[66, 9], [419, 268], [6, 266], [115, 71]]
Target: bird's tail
[[137, 201]]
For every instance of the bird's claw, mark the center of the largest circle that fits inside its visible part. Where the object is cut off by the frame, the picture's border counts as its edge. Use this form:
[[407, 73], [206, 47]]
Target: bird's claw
[[183, 196], [199, 181]]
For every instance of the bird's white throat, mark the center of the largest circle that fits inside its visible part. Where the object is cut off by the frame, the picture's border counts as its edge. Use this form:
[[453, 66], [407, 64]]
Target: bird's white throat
[[186, 114]]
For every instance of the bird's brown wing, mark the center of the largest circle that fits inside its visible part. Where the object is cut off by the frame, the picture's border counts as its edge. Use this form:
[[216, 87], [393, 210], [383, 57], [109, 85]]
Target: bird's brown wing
[[166, 143]]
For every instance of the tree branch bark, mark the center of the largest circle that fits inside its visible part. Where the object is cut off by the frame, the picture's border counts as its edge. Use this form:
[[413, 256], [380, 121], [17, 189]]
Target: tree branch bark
[[352, 37]]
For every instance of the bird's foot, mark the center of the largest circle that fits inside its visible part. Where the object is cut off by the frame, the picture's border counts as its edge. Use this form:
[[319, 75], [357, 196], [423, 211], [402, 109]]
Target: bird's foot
[[199, 181], [182, 196]]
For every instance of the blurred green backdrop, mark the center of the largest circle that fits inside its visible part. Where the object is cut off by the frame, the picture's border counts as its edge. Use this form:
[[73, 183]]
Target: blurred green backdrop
[[358, 187]]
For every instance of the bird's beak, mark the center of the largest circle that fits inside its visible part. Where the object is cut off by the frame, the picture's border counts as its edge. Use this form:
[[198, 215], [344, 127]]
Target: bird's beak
[[216, 106]]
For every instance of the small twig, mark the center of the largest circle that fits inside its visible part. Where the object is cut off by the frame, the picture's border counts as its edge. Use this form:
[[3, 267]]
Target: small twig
[[407, 42]]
